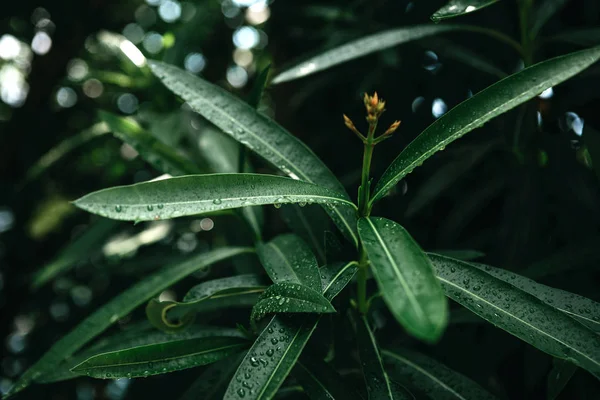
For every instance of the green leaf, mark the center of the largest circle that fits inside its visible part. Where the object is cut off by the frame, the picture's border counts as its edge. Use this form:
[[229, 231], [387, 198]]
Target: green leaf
[[259, 133], [320, 381], [160, 155], [212, 383], [197, 194], [172, 315], [405, 277], [80, 249], [119, 307], [287, 258], [310, 223], [464, 255], [359, 48], [379, 385], [584, 310], [63, 148], [259, 87], [135, 337], [288, 297], [336, 276], [154, 359], [479, 109], [456, 8], [279, 345], [581, 37], [431, 377], [519, 313], [559, 377]]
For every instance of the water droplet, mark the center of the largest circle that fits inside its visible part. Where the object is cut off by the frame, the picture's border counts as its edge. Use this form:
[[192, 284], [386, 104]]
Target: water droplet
[[277, 205], [118, 208], [270, 352], [217, 201], [160, 206], [149, 207], [302, 204], [274, 340], [241, 392], [254, 362]]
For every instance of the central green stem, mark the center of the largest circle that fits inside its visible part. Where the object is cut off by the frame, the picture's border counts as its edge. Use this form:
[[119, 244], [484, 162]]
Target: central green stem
[[364, 210]]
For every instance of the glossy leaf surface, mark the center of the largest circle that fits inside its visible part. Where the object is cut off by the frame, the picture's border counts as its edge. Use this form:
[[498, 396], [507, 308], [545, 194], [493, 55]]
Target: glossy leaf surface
[[379, 384], [280, 343], [160, 358], [287, 258], [405, 277], [288, 297], [584, 310], [117, 308], [197, 194], [432, 377], [169, 315], [519, 313], [456, 8], [359, 48], [258, 133], [482, 107]]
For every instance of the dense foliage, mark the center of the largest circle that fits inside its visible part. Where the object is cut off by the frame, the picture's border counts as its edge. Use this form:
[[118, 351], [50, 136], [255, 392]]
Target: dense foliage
[[163, 225]]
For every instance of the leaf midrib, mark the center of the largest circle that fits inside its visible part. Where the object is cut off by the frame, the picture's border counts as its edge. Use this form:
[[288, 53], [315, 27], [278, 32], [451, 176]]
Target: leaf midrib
[[423, 371], [410, 295], [154, 360], [519, 319]]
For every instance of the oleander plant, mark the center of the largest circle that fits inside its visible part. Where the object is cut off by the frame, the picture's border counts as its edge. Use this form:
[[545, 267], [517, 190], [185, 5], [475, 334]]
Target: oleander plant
[[310, 284]]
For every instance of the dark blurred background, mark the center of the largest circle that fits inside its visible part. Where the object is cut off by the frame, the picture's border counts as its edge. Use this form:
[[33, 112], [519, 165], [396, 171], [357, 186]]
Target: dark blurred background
[[523, 190]]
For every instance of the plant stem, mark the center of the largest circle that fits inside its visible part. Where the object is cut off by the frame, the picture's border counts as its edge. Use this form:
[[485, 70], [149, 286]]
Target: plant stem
[[363, 211]]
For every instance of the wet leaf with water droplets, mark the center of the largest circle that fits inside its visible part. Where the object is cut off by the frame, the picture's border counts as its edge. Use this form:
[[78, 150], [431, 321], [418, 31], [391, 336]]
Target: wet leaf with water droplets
[[171, 315], [260, 134], [405, 277], [287, 258], [120, 306], [159, 358], [456, 8], [431, 377], [287, 336], [379, 384], [288, 297], [196, 194], [482, 107], [519, 313]]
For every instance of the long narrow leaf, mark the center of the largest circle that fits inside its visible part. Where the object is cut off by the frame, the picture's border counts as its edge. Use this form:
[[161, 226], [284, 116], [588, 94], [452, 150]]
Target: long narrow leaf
[[259, 133], [287, 258], [456, 8], [160, 155], [359, 48], [322, 382], [279, 345], [310, 223], [128, 339], [80, 249], [211, 384], [379, 384], [544, 11], [431, 377], [519, 313], [172, 315], [117, 308], [288, 297], [581, 308], [197, 194], [154, 359], [479, 109], [405, 277]]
